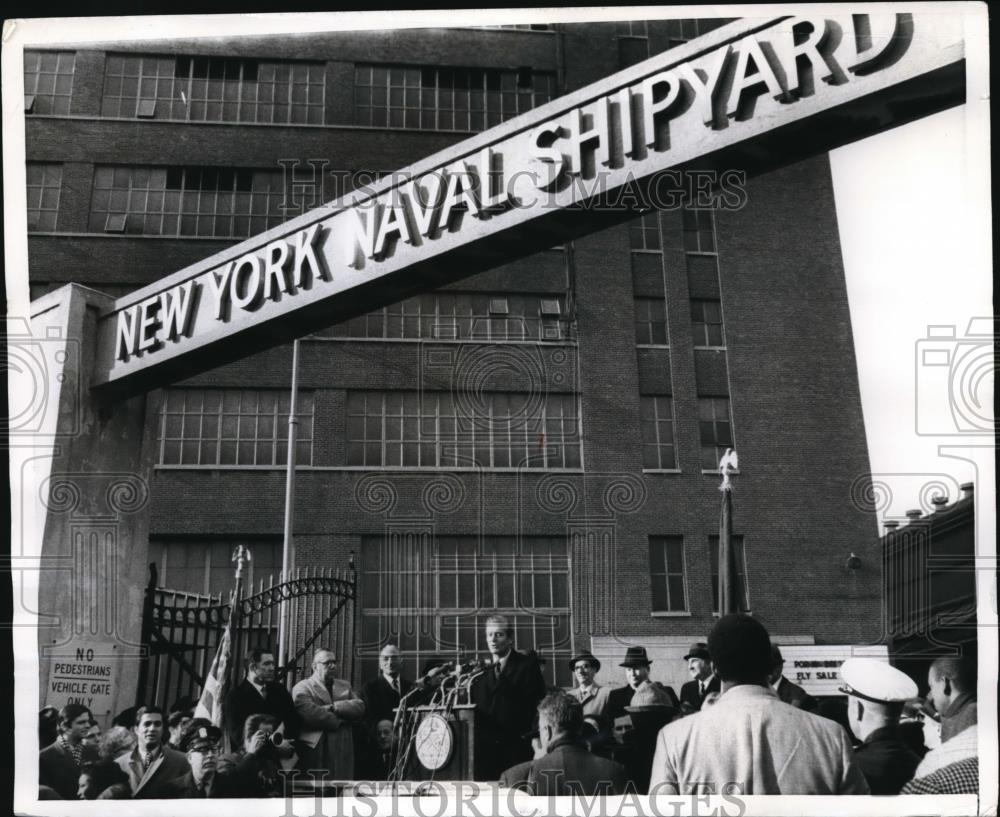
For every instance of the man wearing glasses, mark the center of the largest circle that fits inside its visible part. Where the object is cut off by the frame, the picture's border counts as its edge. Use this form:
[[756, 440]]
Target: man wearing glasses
[[591, 695], [200, 740], [328, 708]]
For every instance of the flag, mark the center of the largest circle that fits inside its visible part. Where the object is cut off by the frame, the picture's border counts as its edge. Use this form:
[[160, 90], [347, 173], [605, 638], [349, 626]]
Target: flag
[[213, 693], [730, 593]]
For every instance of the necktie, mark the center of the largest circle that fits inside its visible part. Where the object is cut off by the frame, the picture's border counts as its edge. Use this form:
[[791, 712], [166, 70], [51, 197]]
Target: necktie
[[395, 685], [701, 688], [147, 760], [263, 692], [497, 669]]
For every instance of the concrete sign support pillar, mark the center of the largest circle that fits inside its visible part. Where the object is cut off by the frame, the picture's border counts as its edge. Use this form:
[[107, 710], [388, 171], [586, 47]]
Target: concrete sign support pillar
[[86, 471]]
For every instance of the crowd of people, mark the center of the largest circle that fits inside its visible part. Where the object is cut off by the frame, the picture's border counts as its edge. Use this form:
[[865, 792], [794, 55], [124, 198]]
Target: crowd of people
[[738, 727]]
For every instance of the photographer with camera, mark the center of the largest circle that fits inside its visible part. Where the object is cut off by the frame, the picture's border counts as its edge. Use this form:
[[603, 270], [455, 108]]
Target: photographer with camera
[[255, 770]]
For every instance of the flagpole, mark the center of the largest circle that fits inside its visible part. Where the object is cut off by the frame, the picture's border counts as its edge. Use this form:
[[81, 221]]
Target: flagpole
[[286, 547], [730, 593]]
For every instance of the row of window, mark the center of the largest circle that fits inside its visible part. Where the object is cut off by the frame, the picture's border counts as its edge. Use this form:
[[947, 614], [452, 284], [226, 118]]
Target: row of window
[[466, 99], [249, 427], [463, 316], [697, 224], [261, 91]]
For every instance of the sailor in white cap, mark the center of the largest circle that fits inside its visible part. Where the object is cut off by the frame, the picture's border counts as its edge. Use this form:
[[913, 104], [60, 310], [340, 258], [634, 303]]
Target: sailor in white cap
[[877, 693]]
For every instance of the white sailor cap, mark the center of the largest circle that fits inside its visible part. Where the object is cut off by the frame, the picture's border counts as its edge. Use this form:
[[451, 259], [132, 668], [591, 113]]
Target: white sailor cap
[[873, 680]]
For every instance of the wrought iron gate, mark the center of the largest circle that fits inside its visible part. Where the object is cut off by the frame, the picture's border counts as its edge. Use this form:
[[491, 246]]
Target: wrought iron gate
[[181, 631]]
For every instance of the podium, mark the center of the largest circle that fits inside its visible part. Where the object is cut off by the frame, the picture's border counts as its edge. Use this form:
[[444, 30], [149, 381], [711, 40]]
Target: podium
[[456, 761]]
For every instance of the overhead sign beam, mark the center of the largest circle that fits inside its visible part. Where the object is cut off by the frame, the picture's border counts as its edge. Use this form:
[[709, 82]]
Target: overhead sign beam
[[748, 97]]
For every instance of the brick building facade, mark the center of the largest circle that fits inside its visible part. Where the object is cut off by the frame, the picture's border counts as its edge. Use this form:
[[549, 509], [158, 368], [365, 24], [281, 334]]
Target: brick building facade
[[539, 439]]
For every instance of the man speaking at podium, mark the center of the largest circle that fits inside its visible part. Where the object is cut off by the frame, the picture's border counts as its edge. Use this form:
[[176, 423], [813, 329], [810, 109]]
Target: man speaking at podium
[[506, 696]]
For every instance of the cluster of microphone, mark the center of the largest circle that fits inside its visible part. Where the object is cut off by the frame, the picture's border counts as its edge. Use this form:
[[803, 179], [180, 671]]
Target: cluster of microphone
[[453, 669]]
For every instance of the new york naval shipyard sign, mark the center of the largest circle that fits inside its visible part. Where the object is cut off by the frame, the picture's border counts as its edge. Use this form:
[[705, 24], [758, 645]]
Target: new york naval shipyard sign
[[752, 95]]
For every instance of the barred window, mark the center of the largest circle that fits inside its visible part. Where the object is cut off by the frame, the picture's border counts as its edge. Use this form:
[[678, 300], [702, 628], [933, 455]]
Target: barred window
[[651, 321], [464, 316], [666, 574], [716, 430], [48, 81], [434, 98], [44, 186], [644, 232], [741, 569], [699, 230], [441, 430], [432, 595], [186, 201], [656, 418], [214, 89], [706, 323], [212, 427]]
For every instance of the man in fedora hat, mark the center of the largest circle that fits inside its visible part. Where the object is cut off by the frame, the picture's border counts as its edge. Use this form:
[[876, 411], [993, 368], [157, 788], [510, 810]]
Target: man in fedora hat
[[877, 693], [592, 696], [788, 692], [703, 677], [636, 666]]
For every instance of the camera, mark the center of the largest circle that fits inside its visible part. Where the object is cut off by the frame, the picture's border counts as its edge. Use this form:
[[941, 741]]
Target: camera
[[277, 738], [954, 380], [43, 369]]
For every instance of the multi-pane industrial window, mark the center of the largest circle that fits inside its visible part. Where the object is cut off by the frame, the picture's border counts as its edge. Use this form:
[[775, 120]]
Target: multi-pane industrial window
[[441, 430], [706, 323], [205, 566], [44, 186], [716, 430], [232, 427], [651, 321], [48, 81], [214, 89], [432, 595], [644, 232], [632, 28], [463, 316], [741, 569], [431, 98], [187, 201], [656, 419], [666, 574], [699, 230]]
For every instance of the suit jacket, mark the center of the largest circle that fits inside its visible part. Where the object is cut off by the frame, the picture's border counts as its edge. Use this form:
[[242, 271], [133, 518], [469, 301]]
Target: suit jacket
[[755, 744], [184, 788], [246, 774], [58, 770], [506, 711], [380, 698], [244, 700], [618, 699], [152, 783], [568, 768], [795, 695], [326, 739], [692, 696]]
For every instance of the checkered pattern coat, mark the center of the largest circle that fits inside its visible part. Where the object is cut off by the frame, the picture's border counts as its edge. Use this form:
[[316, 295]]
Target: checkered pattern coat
[[961, 777]]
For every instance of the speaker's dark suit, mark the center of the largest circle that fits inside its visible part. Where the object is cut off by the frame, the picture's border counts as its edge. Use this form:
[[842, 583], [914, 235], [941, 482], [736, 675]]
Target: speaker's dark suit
[[507, 707], [380, 698], [244, 700], [691, 696]]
